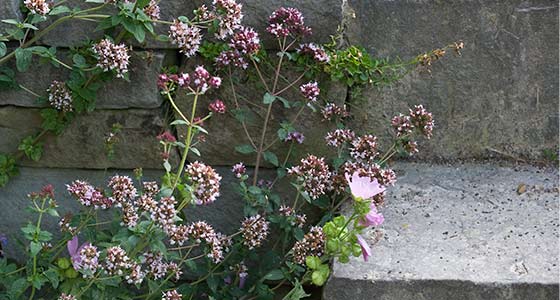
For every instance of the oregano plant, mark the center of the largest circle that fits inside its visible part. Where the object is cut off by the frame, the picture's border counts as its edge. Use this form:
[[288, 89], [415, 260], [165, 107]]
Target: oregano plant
[[148, 247]]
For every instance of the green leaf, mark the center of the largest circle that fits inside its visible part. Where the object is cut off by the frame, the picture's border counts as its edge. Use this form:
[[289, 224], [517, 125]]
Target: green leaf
[[3, 49], [296, 293], [274, 275], [53, 277], [167, 166], [79, 60], [195, 151], [245, 149], [178, 122], [35, 247], [32, 149], [268, 98], [271, 158], [53, 212], [11, 21], [44, 236], [313, 262], [61, 9], [23, 59], [319, 277], [30, 26], [284, 101], [254, 190]]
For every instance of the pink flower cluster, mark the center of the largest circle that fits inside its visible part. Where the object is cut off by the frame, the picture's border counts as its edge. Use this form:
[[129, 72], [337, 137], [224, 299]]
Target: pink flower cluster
[[152, 10], [295, 136], [200, 81], [164, 212], [295, 219], [171, 295], [217, 106], [239, 170], [312, 244], [364, 148], [205, 181], [332, 110], [112, 57], [186, 37], [65, 296], [60, 96], [117, 261], [422, 119], [339, 137], [254, 230], [313, 176], [88, 195], [231, 58], [418, 118], [39, 7], [229, 16], [166, 137], [310, 91], [315, 51], [287, 21], [157, 268], [246, 41], [123, 190]]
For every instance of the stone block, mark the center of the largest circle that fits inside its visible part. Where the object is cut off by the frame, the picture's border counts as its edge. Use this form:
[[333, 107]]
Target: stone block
[[460, 232], [502, 94], [9, 9], [81, 145], [140, 92]]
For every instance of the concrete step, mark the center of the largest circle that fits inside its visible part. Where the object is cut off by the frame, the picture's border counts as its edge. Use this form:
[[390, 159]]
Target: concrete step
[[460, 232]]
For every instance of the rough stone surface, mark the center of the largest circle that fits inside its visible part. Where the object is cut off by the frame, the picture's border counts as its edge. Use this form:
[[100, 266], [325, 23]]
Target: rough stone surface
[[81, 145], [225, 132], [460, 232], [140, 92], [9, 9], [502, 94], [323, 16]]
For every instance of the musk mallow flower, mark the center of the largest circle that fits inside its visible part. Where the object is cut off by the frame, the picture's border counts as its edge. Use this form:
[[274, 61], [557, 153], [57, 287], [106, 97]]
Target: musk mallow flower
[[366, 250], [373, 217], [363, 187]]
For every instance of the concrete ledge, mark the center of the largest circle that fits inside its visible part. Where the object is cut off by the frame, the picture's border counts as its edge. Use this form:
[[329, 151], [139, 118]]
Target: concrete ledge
[[461, 232]]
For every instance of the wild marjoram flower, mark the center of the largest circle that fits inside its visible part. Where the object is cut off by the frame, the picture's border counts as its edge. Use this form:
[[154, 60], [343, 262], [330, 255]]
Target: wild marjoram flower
[[65, 296], [39, 7], [60, 96], [186, 37], [152, 10], [111, 57], [205, 181]]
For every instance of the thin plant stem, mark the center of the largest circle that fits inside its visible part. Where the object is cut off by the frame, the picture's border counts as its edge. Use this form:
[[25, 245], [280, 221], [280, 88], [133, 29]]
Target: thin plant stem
[[29, 91], [243, 124]]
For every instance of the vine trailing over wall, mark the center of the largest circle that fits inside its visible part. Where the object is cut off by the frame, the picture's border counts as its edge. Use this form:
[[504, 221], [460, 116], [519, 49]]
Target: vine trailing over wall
[[152, 249]]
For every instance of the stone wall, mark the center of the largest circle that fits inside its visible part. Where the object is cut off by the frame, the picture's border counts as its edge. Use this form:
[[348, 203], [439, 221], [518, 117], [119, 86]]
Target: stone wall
[[501, 96]]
